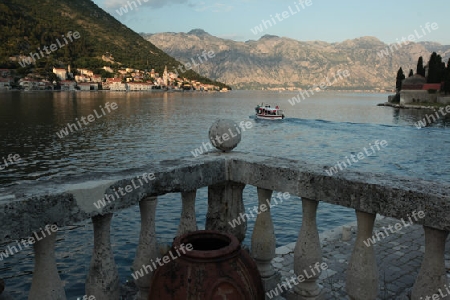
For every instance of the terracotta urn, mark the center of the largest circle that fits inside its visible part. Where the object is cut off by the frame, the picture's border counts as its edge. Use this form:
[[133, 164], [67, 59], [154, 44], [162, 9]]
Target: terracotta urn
[[207, 265]]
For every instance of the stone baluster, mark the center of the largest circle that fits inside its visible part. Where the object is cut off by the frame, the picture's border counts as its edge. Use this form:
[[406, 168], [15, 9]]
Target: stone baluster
[[225, 205], [432, 277], [308, 256], [263, 240], [46, 283], [103, 279], [362, 272], [147, 248], [188, 221]]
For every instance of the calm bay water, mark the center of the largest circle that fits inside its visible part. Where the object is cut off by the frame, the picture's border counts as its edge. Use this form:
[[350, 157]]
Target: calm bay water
[[153, 126]]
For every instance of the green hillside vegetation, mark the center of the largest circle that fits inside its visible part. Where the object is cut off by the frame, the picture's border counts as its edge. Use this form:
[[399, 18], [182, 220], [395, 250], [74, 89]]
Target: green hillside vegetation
[[28, 25]]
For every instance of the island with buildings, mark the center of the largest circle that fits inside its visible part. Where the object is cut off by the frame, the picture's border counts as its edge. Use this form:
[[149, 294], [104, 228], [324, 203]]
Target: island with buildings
[[428, 87]]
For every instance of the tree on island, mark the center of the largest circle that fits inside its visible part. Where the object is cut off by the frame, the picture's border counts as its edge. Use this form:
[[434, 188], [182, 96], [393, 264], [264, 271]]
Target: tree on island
[[438, 72], [420, 69], [411, 73], [447, 78], [400, 77], [447, 84], [436, 69]]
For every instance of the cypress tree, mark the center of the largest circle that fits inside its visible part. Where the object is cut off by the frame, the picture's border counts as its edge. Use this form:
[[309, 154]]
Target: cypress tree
[[447, 78], [435, 69], [420, 69], [400, 77]]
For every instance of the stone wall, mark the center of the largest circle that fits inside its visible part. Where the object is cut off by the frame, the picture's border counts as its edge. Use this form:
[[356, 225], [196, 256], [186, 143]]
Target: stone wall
[[443, 100], [391, 98], [416, 96]]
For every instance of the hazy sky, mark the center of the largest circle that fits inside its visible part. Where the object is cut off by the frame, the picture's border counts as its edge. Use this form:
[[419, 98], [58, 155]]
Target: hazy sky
[[306, 20]]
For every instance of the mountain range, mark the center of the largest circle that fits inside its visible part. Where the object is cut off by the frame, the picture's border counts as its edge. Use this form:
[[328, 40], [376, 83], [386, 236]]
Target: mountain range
[[280, 62]]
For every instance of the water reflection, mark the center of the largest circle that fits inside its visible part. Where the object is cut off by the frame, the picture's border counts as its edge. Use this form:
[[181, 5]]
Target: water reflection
[[161, 125], [416, 117]]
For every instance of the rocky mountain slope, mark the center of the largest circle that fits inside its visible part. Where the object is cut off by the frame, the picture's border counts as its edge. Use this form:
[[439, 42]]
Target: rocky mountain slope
[[274, 62]]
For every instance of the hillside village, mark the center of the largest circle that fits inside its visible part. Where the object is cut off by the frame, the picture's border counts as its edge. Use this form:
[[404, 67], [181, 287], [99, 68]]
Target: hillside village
[[125, 79]]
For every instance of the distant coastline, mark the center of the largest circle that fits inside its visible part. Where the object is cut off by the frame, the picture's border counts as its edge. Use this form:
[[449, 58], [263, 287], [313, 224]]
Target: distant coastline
[[181, 90]]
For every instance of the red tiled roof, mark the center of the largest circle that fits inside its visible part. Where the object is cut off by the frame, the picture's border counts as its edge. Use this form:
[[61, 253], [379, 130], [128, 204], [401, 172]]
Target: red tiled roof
[[113, 80], [431, 86]]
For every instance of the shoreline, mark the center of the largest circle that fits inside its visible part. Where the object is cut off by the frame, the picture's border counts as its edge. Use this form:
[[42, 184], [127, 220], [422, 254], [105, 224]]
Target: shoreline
[[412, 106], [113, 91], [174, 90]]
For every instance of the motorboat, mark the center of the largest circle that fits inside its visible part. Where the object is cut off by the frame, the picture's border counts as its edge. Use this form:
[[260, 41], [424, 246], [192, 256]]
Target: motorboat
[[267, 112]]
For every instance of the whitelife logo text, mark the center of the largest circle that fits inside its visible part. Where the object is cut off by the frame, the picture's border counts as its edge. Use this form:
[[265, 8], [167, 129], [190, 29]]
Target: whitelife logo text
[[128, 189], [220, 139], [37, 236], [91, 118], [53, 47], [147, 269]]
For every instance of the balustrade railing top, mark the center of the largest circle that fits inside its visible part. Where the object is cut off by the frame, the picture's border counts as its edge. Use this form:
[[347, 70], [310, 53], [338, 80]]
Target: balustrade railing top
[[62, 203]]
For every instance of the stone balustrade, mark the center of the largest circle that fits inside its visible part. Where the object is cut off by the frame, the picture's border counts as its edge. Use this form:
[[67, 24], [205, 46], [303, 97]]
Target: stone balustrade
[[225, 175]]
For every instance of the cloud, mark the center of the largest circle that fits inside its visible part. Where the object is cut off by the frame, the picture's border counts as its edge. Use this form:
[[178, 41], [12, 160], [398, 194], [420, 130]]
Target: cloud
[[232, 36], [113, 4], [198, 5], [216, 7]]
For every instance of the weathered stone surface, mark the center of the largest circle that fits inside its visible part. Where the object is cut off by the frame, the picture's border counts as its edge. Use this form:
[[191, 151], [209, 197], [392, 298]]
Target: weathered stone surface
[[391, 196], [46, 282], [225, 205], [362, 272], [188, 220], [432, 276], [147, 248], [415, 96], [225, 135], [70, 201], [103, 278]]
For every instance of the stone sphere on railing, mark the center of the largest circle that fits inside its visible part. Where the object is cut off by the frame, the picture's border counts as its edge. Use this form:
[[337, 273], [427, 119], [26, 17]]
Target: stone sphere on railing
[[224, 134]]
